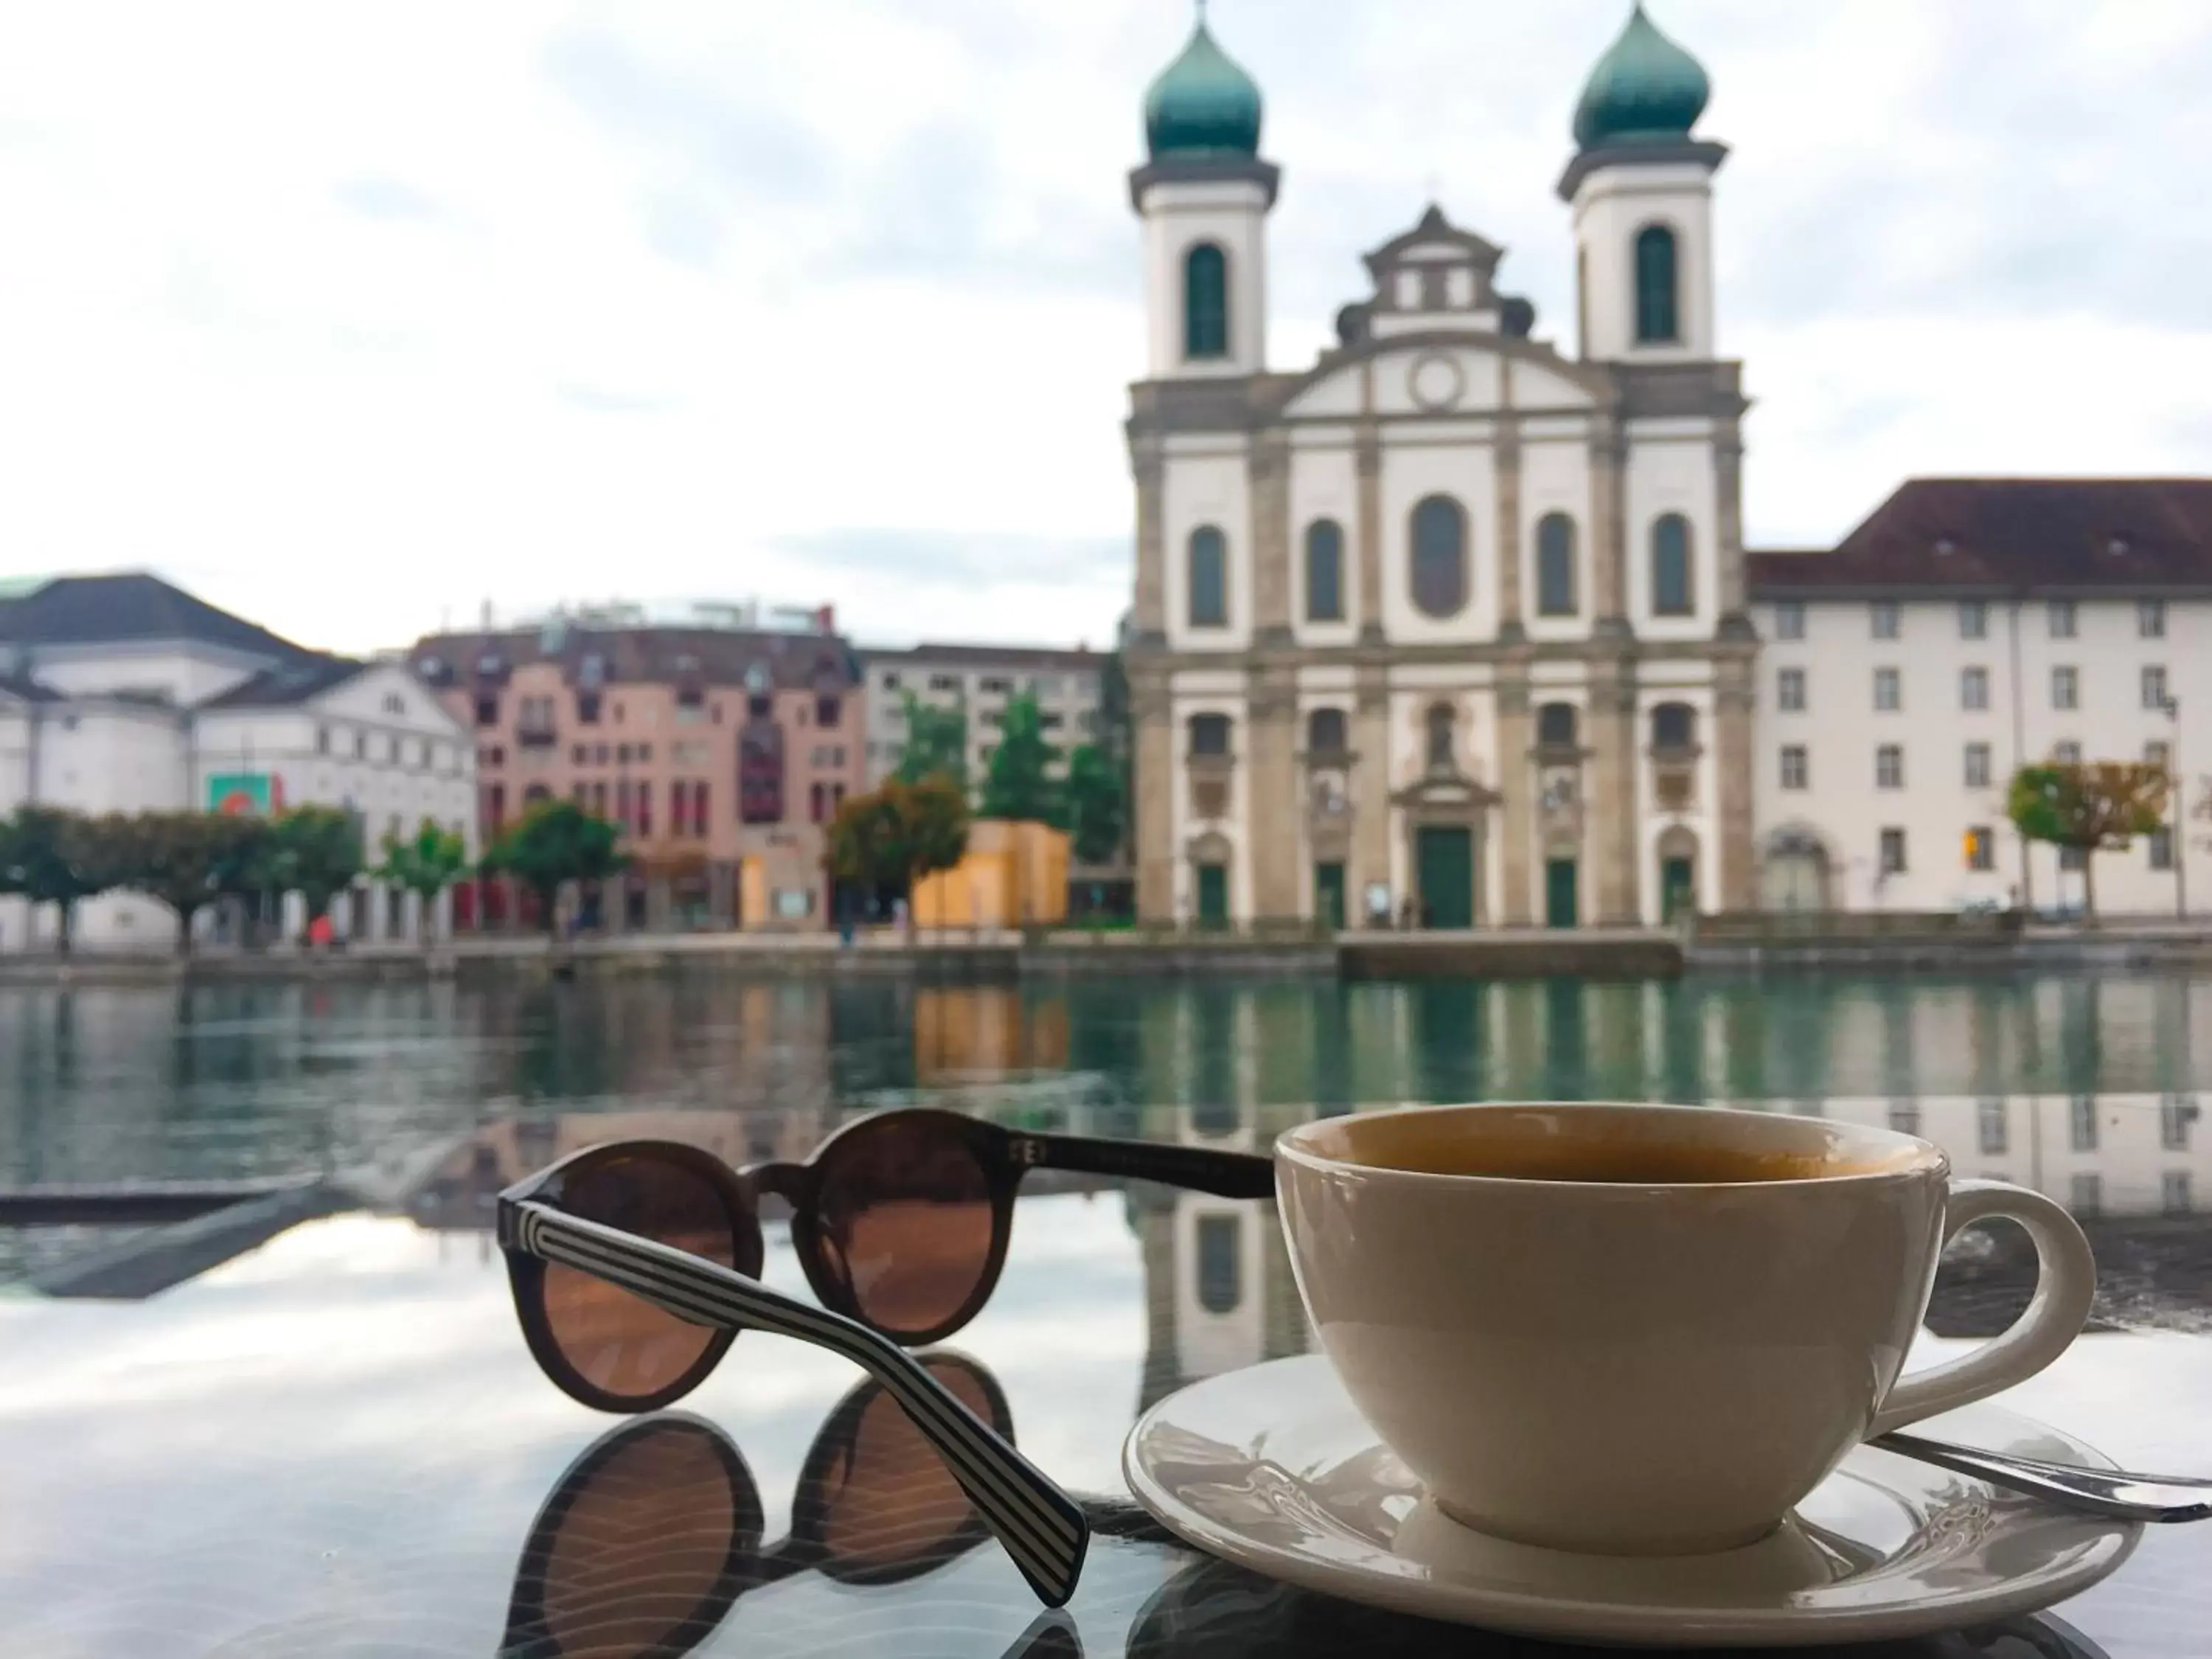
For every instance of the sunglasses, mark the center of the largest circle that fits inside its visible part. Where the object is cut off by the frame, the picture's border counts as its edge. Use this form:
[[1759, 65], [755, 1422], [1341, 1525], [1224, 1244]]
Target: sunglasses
[[634, 1266]]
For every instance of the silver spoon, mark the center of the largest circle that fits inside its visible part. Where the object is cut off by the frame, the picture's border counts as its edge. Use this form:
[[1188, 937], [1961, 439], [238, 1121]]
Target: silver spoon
[[2098, 1491]]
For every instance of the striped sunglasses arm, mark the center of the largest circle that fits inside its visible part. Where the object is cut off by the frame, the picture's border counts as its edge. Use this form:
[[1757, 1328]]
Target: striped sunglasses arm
[[1042, 1527]]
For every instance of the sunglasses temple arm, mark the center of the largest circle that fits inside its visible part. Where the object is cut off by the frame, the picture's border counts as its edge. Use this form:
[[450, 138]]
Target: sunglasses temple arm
[[1040, 1527], [1225, 1175]]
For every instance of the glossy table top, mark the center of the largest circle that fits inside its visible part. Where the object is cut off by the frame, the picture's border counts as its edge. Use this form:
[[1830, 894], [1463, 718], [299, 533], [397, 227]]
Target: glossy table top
[[335, 1443]]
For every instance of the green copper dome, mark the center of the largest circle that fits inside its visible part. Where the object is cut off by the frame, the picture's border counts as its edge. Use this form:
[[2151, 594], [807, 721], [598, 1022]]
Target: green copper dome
[[1644, 88], [1202, 105]]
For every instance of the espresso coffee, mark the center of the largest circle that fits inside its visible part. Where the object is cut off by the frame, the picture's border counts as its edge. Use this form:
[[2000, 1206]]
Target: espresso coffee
[[1548, 1147]]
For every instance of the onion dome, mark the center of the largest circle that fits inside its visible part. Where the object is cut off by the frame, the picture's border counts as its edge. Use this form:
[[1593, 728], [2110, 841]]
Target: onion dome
[[1203, 104], [1646, 90]]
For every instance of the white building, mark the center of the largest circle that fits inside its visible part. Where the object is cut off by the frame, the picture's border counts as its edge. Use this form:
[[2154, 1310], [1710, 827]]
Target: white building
[[1451, 621], [123, 694], [980, 678], [1966, 628]]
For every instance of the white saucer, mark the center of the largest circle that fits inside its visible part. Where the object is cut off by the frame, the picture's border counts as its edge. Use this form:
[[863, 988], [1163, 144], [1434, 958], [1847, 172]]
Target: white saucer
[[1272, 1469]]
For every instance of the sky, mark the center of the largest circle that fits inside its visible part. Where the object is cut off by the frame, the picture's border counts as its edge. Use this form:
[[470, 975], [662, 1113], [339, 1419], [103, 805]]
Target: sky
[[356, 319]]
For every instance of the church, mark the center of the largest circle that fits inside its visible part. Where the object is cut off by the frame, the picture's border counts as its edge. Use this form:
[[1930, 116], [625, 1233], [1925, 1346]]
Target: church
[[1450, 626]]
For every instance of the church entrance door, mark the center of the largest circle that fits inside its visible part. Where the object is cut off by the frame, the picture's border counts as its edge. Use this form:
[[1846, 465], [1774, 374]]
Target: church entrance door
[[1446, 864]]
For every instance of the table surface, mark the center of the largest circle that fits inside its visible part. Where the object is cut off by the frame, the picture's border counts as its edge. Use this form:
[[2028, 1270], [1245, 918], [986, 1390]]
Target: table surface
[[335, 1443]]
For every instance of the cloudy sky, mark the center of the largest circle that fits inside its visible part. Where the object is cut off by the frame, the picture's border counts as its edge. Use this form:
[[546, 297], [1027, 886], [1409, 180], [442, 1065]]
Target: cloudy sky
[[355, 318]]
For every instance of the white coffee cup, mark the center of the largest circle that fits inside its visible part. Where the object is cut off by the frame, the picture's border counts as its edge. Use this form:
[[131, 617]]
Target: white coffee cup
[[1643, 1329]]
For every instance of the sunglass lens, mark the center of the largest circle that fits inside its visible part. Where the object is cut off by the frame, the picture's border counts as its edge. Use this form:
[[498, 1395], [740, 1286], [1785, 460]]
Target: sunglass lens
[[620, 1344], [905, 1222]]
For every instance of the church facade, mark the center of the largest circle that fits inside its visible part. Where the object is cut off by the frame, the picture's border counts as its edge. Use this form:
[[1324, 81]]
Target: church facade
[[1449, 625]]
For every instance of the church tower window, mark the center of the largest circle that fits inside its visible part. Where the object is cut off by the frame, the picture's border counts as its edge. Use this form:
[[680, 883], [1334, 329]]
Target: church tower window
[[1658, 310], [1205, 302], [1555, 566], [1672, 592], [1325, 571], [1209, 578], [1439, 573]]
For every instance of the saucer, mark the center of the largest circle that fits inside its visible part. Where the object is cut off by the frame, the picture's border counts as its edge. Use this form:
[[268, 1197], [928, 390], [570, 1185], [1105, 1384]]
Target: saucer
[[1272, 1469]]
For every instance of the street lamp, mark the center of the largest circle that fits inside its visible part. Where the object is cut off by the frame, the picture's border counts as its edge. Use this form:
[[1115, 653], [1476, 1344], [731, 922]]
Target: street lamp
[[2171, 707]]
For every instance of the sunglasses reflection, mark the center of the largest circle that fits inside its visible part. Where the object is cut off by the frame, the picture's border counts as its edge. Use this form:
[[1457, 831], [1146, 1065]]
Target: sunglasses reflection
[[649, 1538]]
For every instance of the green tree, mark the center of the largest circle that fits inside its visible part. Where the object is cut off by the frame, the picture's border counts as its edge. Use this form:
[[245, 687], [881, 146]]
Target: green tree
[[52, 855], [1097, 810], [426, 866], [551, 844], [887, 840], [2091, 808], [314, 851], [189, 860], [936, 742], [1020, 783]]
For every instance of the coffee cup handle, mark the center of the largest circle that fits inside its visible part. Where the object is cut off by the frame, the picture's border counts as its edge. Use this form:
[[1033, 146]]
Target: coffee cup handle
[[2065, 1283]]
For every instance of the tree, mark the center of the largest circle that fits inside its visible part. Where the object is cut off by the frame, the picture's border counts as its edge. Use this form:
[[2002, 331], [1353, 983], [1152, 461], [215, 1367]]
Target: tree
[[1097, 810], [887, 840], [189, 860], [426, 866], [551, 844], [2092, 808], [52, 855], [1020, 785], [313, 851], [936, 742]]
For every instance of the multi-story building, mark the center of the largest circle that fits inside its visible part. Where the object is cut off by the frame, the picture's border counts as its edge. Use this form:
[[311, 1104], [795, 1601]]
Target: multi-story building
[[1967, 627], [721, 748], [123, 694], [980, 679], [1451, 622]]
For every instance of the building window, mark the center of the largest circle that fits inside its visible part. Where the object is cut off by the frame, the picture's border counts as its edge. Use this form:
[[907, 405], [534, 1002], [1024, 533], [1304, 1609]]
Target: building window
[[1673, 593], [588, 708], [1325, 731], [1889, 767], [2161, 848], [818, 803], [2174, 1192], [1658, 307], [2070, 861], [2150, 619], [1556, 726], [2086, 1195], [945, 682], [322, 740], [1893, 852], [1439, 567], [1220, 1268], [1973, 619], [829, 710], [1673, 728], [1209, 735], [1324, 571], [2153, 690], [1974, 689], [2081, 1123], [2176, 1114], [2062, 619], [2065, 688], [1981, 849], [2068, 753], [1789, 620], [1789, 690], [996, 685], [1797, 769], [1555, 566], [1882, 618], [1977, 766], [487, 709], [1209, 579], [1888, 691], [1990, 1128], [1440, 744], [1205, 302]]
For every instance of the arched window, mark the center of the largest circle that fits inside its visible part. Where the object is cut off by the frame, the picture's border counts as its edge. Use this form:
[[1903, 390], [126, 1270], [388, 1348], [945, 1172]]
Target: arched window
[[1555, 566], [1443, 747], [1325, 731], [1556, 725], [1439, 574], [1209, 578], [1673, 593], [1209, 734], [1674, 726], [1658, 306], [1205, 302], [1324, 571]]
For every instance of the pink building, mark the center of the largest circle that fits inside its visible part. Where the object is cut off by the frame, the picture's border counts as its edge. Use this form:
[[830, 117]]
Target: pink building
[[721, 751]]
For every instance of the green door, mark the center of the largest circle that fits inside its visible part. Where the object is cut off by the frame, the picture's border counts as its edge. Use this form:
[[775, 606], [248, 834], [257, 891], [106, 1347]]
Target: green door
[[1678, 887], [1562, 894], [1214, 896], [1445, 860], [1328, 895]]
